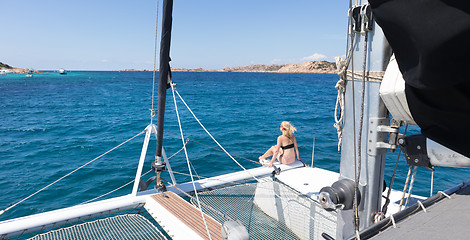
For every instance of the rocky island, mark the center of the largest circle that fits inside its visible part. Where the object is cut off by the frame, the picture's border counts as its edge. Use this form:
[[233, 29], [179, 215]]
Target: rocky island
[[6, 67], [305, 67]]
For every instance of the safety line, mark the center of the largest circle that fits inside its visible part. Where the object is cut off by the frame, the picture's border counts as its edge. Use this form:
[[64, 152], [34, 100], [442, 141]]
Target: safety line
[[66, 175], [187, 160], [211, 135], [128, 182]]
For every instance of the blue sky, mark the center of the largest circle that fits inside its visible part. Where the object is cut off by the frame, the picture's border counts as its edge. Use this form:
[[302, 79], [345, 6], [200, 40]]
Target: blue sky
[[212, 34]]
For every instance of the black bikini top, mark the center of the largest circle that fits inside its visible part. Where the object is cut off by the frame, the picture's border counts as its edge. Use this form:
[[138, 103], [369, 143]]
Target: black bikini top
[[288, 146]]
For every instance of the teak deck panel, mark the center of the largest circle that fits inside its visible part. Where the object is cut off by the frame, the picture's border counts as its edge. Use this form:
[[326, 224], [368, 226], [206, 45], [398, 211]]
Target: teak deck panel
[[189, 215]]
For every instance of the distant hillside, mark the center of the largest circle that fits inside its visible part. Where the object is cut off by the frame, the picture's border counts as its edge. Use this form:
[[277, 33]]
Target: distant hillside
[[306, 67], [254, 68], [310, 67], [13, 69], [6, 66]]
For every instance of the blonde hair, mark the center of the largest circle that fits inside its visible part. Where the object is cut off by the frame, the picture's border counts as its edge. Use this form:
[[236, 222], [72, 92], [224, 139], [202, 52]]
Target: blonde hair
[[287, 129]]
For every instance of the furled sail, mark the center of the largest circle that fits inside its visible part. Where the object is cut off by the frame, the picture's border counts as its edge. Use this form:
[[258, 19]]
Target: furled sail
[[164, 75]]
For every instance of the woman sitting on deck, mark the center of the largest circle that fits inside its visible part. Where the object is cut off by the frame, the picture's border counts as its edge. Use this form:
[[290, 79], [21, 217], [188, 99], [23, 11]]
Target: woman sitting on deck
[[284, 149]]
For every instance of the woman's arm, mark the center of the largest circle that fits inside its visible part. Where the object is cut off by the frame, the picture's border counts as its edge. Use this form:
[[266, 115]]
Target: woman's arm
[[275, 152], [296, 149]]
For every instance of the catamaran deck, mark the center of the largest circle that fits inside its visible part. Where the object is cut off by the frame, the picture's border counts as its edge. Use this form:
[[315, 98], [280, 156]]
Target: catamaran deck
[[447, 219], [176, 211]]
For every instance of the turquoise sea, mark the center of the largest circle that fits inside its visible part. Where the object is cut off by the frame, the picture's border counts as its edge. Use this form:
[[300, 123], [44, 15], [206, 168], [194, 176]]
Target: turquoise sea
[[51, 124]]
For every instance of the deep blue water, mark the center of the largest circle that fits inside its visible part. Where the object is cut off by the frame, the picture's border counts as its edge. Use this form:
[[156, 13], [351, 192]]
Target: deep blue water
[[51, 124]]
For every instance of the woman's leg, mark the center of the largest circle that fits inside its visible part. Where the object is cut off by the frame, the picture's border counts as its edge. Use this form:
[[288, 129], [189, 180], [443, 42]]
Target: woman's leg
[[268, 153]]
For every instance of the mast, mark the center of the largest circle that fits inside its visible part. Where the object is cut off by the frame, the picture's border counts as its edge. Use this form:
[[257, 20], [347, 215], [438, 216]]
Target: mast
[[164, 75], [164, 80], [364, 142], [366, 127]]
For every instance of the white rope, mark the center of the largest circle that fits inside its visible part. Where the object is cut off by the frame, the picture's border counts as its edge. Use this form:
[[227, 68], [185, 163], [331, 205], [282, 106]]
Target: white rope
[[313, 151], [130, 181], [66, 175], [212, 136], [422, 206], [205, 205], [445, 194], [393, 221], [93, 199], [187, 159], [258, 180], [379, 216], [341, 67], [340, 86], [184, 145]]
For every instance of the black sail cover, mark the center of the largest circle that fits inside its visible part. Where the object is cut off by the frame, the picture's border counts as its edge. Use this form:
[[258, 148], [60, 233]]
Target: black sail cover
[[431, 42], [164, 75]]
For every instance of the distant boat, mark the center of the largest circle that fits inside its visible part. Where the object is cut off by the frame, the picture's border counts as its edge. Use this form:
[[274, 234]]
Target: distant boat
[[62, 71], [4, 71], [30, 73]]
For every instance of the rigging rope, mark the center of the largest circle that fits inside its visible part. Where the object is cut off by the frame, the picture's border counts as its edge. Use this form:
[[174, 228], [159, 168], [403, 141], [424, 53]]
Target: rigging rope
[[187, 160], [189, 109], [361, 119], [456, 172], [405, 187], [258, 186], [387, 199], [352, 34], [182, 137], [257, 162], [342, 67], [152, 111], [415, 170], [361, 123], [66, 175], [251, 160], [182, 100], [192, 197], [152, 114], [91, 200], [356, 181]]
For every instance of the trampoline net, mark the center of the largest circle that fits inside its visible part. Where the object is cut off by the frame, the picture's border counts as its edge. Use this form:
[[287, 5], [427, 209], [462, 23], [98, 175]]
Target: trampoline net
[[127, 226], [269, 210]]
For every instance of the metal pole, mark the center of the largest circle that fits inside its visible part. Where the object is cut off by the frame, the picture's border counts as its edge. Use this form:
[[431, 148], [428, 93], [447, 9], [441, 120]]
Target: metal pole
[[313, 151], [432, 182]]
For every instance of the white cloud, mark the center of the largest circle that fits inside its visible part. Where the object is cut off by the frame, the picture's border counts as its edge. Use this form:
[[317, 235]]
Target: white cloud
[[314, 57]]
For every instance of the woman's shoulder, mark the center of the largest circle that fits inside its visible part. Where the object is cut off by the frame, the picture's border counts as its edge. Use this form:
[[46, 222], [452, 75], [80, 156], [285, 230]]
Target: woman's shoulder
[[282, 137], [285, 138]]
